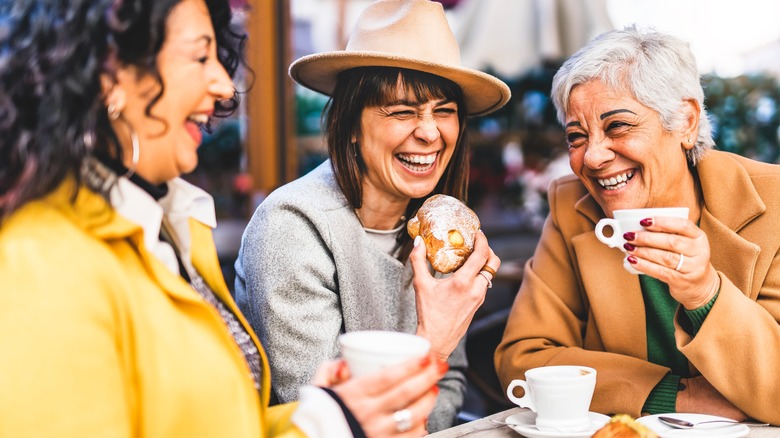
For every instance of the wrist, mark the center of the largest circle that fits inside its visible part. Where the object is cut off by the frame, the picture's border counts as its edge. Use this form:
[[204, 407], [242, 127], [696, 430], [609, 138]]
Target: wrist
[[710, 291]]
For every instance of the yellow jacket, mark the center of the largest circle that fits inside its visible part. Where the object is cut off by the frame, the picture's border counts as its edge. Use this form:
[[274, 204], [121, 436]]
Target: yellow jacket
[[577, 305], [98, 338]]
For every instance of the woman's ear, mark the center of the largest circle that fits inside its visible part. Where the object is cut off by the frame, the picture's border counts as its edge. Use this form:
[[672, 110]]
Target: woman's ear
[[690, 127]]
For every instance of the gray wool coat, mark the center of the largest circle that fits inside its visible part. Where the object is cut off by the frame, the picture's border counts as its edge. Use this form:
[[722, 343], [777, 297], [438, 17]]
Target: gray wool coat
[[307, 272]]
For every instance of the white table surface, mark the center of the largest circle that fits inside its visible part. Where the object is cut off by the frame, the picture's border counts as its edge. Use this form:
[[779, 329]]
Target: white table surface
[[484, 428]]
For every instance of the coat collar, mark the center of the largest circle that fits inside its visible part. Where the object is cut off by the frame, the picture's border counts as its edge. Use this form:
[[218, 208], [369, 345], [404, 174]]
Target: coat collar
[[717, 170], [91, 212]]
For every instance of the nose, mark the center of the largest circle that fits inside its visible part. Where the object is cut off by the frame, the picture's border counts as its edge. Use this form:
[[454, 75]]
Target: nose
[[427, 130], [598, 153], [220, 84]]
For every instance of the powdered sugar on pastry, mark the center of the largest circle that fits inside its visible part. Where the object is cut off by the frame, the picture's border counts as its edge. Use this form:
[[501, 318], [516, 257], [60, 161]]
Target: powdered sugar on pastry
[[448, 228]]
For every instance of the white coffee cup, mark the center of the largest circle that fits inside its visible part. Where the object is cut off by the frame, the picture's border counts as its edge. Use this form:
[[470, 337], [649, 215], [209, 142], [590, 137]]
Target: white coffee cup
[[371, 350], [624, 221], [560, 395]]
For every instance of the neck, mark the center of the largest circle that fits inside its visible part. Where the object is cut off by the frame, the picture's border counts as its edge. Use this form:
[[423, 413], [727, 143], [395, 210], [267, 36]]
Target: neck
[[697, 199], [381, 217]]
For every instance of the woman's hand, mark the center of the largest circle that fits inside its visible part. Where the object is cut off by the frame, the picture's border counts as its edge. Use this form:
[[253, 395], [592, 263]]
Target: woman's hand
[[659, 250], [446, 306], [377, 399], [699, 396]]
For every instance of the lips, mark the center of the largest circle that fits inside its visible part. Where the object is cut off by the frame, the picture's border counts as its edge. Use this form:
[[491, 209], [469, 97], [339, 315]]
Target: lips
[[193, 126]]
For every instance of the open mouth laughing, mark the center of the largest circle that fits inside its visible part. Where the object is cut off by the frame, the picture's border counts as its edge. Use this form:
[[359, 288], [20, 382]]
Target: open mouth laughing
[[194, 124], [417, 162], [617, 181]]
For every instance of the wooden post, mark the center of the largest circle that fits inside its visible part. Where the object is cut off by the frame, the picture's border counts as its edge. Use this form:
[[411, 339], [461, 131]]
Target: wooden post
[[270, 139]]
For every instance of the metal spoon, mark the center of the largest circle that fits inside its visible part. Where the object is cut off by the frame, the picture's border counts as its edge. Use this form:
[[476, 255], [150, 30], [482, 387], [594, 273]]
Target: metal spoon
[[682, 424]]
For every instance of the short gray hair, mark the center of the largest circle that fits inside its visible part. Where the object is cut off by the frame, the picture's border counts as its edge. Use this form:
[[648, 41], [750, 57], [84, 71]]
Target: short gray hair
[[658, 69]]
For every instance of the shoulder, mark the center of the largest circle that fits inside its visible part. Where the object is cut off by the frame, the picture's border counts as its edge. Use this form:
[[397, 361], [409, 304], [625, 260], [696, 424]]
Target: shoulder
[[42, 250], [566, 190], [317, 190]]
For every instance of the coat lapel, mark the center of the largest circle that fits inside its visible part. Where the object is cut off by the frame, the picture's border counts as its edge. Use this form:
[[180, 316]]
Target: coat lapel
[[614, 295], [730, 203]]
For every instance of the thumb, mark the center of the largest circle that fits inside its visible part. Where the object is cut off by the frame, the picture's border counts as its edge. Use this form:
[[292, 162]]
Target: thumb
[[417, 256]]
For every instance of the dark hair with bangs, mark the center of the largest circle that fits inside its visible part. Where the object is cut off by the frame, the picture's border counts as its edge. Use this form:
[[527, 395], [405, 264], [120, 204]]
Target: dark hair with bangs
[[52, 56], [362, 87]]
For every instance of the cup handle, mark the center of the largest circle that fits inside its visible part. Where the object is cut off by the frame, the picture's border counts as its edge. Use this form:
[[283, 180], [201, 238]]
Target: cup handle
[[613, 241], [525, 401]]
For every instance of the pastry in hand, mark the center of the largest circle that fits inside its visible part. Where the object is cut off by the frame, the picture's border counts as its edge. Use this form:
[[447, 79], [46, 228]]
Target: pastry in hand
[[448, 229], [624, 426]]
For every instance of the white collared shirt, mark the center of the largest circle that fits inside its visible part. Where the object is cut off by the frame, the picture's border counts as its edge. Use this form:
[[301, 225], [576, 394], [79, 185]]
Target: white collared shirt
[[183, 201]]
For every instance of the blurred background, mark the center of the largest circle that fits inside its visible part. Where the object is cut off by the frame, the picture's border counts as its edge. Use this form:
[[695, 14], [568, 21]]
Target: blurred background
[[518, 150]]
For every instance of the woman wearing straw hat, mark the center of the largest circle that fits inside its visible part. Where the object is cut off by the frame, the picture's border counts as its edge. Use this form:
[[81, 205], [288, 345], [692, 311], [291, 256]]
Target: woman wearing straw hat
[[328, 253]]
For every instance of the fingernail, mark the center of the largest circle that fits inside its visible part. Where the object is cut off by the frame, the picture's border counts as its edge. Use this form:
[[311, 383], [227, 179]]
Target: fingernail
[[629, 236], [342, 371], [632, 260], [646, 222], [424, 362], [443, 367], [628, 246], [435, 391], [417, 241]]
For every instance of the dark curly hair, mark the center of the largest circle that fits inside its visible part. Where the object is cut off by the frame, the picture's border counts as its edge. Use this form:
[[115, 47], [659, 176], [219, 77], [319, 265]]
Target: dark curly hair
[[52, 55]]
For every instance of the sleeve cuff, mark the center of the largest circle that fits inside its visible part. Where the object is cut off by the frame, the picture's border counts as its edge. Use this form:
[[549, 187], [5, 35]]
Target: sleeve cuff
[[663, 398], [319, 415], [697, 316]]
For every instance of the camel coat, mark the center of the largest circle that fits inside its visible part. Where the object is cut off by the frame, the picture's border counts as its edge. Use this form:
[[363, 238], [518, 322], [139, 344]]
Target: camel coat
[[578, 305], [98, 338]]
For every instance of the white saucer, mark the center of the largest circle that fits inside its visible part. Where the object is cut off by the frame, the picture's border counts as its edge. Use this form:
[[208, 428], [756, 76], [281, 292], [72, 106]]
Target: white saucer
[[524, 423], [714, 430]]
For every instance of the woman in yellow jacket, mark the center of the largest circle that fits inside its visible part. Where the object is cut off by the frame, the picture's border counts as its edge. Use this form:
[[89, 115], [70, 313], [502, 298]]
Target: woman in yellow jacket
[[114, 316]]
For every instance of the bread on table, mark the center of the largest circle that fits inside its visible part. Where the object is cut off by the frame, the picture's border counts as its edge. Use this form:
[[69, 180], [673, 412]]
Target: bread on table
[[624, 426]]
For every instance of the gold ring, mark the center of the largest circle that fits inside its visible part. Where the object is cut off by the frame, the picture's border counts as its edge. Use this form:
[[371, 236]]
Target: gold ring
[[489, 270]]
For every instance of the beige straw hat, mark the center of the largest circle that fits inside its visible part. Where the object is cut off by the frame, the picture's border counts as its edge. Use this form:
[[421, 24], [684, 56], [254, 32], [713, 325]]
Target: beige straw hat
[[412, 34]]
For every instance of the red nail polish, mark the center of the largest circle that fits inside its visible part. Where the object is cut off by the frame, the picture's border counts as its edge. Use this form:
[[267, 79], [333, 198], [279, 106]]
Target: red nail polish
[[443, 367], [435, 390], [632, 260], [629, 236], [629, 247], [646, 222], [424, 362]]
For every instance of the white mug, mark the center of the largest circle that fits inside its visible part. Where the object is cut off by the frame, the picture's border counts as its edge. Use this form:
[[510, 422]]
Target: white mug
[[371, 350], [560, 395], [628, 220]]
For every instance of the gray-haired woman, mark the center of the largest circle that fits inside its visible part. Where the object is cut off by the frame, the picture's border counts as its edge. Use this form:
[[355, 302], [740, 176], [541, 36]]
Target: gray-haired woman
[[698, 330]]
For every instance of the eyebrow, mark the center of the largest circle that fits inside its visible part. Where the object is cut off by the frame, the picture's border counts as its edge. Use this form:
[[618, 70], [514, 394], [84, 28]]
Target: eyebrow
[[609, 113], [206, 38]]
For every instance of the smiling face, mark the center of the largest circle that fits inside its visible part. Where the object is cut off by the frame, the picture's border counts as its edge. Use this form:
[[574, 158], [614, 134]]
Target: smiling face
[[406, 146], [193, 80], [621, 152]]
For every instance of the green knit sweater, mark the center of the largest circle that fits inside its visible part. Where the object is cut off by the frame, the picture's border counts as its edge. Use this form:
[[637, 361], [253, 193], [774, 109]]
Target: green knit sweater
[[660, 308]]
